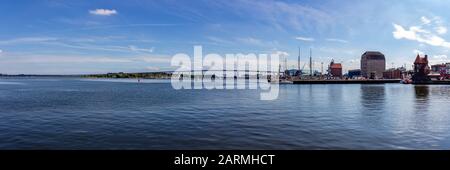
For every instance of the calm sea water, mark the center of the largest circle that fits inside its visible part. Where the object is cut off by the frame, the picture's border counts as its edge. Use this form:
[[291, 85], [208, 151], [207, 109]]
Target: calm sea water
[[62, 113]]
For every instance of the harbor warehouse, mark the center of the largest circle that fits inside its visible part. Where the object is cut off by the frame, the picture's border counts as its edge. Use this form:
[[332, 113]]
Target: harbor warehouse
[[373, 64]]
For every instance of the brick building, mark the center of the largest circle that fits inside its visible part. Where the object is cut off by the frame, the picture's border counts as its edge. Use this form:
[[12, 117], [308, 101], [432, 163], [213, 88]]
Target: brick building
[[393, 73], [373, 64], [335, 69]]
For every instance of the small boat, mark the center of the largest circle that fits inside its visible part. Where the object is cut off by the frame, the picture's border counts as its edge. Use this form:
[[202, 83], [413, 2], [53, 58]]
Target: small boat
[[406, 81]]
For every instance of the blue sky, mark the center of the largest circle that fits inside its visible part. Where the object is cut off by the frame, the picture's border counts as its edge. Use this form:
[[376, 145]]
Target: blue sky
[[100, 36]]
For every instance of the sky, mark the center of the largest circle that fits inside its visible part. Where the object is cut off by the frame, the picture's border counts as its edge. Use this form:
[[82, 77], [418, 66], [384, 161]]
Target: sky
[[101, 36]]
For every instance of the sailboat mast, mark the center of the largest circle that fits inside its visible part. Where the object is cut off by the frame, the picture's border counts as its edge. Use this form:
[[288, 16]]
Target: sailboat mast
[[310, 62], [298, 59]]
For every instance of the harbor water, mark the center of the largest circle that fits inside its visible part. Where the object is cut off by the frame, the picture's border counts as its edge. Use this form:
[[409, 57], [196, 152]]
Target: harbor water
[[72, 113]]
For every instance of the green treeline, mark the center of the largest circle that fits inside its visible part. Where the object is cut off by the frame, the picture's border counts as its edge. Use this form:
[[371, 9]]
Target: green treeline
[[153, 75]]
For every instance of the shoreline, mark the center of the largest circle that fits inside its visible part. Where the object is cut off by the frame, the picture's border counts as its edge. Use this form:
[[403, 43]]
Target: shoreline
[[383, 81], [346, 81]]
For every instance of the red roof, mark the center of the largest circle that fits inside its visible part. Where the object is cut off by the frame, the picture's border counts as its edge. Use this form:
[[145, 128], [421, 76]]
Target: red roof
[[420, 60], [336, 66]]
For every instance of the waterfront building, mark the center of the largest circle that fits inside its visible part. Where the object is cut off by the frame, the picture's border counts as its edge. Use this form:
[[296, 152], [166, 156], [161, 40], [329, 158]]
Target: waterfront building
[[447, 71], [373, 64], [352, 74], [439, 68], [394, 73], [335, 69], [443, 70], [421, 70]]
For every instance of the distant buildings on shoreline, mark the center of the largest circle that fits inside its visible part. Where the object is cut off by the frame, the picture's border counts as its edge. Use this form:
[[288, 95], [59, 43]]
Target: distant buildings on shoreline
[[440, 68], [373, 66], [443, 70], [335, 69], [394, 73], [354, 74], [421, 70]]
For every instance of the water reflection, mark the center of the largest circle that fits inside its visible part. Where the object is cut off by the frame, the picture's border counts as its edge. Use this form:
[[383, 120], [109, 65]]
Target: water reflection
[[422, 96], [422, 92], [335, 97], [372, 96]]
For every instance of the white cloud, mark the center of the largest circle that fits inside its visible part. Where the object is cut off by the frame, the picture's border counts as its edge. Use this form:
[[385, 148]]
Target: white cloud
[[425, 20], [438, 59], [416, 51], [304, 38], [103, 12], [400, 32], [417, 33], [136, 49], [281, 53], [336, 40], [1, 51], [441, 30], [429, 32], [440, 56]]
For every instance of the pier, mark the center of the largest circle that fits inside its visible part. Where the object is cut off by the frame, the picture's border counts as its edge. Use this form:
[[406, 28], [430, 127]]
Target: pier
[[434, 82], [346, 81]]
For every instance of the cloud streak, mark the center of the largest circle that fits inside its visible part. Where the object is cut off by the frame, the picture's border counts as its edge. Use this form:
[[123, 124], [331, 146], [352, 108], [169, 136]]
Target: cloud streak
[[27, 40], [304, 38], [218, 40], [281, 15], [145, 50], [124, 49], [37, 58], [75, 43], [336, 40], [103, 12], [257, 42]]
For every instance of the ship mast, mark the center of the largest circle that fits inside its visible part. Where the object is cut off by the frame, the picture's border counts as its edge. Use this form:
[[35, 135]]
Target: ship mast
[[298, 59], [310, 62]]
